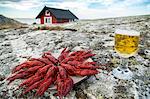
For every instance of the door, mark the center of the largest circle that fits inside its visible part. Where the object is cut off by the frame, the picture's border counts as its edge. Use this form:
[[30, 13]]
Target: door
[[47, 20]]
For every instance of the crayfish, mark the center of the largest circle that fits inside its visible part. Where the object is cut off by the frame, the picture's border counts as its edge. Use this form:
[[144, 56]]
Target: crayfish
[[41, 73]]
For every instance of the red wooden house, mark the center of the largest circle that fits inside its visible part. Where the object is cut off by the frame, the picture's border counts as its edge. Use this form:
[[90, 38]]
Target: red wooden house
[[53, 15]]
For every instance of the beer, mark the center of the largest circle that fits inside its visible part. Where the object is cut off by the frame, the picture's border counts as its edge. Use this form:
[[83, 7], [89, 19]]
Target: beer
[[126, 42]]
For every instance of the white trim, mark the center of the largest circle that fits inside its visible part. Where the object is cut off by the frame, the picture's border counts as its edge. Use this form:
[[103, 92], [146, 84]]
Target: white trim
[[47, 18]]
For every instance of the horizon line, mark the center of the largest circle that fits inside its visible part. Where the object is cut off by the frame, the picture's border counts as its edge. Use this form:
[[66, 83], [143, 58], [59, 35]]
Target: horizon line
[[84, 18]]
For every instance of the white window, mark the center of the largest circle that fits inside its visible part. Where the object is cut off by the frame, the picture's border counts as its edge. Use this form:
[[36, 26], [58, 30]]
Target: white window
[[47, 20], [47, 12]]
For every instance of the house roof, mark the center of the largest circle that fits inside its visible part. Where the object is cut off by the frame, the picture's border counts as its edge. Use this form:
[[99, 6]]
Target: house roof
[[58, 13]]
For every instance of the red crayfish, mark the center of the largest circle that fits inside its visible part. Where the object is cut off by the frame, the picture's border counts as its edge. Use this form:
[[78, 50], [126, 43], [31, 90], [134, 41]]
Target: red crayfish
[[41, 73]]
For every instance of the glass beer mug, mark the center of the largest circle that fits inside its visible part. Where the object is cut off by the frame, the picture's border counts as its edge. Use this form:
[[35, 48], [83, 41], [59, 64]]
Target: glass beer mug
[[126, 45]]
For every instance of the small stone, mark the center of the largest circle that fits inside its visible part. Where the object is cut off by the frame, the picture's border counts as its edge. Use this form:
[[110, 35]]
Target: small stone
[[2, 77]]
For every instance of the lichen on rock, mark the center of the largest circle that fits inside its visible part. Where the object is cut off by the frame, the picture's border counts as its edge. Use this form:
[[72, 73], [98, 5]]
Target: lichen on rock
[[18, 45]]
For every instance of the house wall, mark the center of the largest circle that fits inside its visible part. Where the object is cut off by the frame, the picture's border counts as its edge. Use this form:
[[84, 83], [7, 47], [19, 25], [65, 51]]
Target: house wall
[[65, 20], [62, 20], [42, 19], [54, 20]]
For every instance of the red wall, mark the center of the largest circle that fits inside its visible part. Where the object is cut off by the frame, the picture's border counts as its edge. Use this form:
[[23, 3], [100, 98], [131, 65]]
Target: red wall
[[42, 19], [54, 20], [63, 21]]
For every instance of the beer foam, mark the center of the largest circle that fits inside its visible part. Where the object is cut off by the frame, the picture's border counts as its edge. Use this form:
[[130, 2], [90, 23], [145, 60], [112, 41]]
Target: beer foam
[[127, 32]]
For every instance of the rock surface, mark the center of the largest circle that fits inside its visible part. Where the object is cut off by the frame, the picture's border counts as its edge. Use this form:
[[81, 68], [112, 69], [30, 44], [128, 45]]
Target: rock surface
[[19, 44]]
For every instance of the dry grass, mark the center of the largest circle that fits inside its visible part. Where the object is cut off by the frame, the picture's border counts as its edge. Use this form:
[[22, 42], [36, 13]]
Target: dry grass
[[9, 26], [58, 28]]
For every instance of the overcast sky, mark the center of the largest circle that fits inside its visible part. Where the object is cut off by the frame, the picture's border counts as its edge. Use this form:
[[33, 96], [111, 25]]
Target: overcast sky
[[84, 9]]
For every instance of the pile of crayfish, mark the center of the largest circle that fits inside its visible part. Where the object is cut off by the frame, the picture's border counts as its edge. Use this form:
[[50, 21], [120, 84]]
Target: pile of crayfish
[[41, 73]]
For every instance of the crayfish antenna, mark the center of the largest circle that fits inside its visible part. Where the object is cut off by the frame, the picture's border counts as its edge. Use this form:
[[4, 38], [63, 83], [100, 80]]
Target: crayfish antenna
[[60, 97], [56, 94], [20, 95], [96, 77], [10, 82], [64, 50], [36, 94]]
